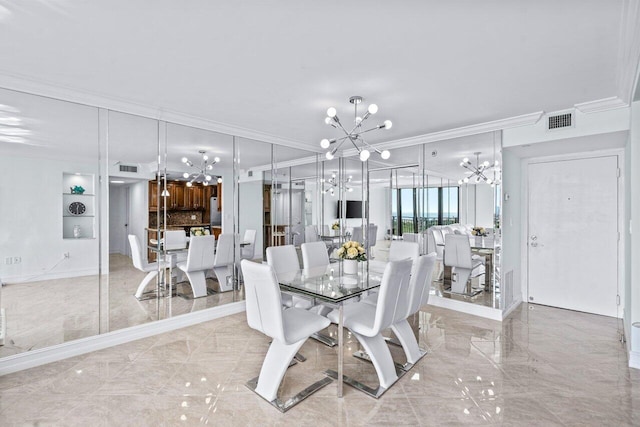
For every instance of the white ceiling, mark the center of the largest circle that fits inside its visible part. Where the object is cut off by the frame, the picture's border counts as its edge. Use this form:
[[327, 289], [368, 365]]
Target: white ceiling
[[275, 67]]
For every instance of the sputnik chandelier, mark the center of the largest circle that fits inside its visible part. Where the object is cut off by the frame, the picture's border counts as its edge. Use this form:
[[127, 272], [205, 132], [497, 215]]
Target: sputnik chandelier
[[480, 171], [356, 132], [203, 173], [329, 185]]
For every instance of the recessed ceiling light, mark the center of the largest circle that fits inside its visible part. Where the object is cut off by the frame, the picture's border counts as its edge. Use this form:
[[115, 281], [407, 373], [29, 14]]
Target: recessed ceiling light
[[117, 182]]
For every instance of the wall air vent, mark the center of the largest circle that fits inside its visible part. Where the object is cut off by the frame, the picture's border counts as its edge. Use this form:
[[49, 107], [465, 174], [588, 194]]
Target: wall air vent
[[560, 121], [129, 168]]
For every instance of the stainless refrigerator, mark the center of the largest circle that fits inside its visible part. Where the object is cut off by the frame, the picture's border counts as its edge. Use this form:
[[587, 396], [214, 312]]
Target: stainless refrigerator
[[215, 215]]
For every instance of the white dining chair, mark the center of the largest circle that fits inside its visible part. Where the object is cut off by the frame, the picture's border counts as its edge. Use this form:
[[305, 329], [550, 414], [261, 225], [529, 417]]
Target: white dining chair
[[199, 260], [356, 236], [418, 295], [175, 239], [372, 238], [248, 251], [438, 243], [457, 255], [223, 262], [311, 234], [288, 329], [400, 249], [366, 322], [284, 261], [138, 262], [314, 254]]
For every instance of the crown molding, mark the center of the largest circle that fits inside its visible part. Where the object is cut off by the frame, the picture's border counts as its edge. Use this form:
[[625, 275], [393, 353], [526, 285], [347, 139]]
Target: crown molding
[[64, 93], [511, 122], [603, 104]]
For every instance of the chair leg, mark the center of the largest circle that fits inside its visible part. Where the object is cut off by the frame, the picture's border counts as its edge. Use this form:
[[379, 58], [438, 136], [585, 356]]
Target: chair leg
[[147, 279], [274, 367], [198, 283], [380, 356], [221, 274], [408, 340], [459, 282]]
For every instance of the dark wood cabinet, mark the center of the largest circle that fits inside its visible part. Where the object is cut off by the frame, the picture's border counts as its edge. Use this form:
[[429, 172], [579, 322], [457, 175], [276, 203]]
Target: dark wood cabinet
[[176, 195], [193, 197], [153, 195]]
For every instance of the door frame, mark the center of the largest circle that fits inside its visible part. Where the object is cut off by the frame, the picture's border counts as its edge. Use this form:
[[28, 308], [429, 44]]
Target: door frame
[[524, 240]]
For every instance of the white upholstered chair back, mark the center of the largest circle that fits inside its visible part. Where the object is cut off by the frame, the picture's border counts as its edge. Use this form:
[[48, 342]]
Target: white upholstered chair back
[[314, 254], [399, 250], [391, 306], [175, 239], [262, 296], [283, 259], [201, 253], [457, 251]]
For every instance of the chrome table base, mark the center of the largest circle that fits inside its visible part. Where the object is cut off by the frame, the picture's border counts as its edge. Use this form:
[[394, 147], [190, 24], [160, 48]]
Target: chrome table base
[[324, 339], [406, 367], [376, 393], [293, 401]]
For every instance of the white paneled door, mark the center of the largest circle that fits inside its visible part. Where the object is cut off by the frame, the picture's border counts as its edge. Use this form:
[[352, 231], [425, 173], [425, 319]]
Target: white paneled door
[[573, 234]]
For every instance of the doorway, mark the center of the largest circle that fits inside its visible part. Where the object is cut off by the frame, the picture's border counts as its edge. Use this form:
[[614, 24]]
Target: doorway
[[572, 241]]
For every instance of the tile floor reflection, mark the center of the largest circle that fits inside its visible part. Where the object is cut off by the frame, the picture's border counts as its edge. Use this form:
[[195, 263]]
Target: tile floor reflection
[[44, 313], [541, 366]]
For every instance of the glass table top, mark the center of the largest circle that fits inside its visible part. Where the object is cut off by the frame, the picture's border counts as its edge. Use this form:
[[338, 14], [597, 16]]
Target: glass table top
[[330, 283]]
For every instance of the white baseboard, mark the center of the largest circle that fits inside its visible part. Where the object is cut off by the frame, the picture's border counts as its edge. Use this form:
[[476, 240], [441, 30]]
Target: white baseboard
[[62, 351], [38, 277], [465, 307]]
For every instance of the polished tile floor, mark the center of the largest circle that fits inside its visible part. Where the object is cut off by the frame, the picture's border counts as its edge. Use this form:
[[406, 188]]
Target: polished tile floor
[[44, 313], [540, 367]]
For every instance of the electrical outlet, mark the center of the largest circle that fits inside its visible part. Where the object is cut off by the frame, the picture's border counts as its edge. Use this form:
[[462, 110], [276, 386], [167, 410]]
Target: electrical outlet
[[66, 255], [8, 260], [17, 260], [193, 217]]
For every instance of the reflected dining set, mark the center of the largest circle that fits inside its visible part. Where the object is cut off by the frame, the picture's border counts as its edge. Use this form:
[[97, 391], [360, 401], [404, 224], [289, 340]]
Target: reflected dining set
[[465, 253], [197, 257], [290, 304]]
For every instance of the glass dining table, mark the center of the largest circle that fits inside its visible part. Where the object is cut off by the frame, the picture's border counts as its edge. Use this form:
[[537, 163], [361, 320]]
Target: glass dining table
[[330, 286]]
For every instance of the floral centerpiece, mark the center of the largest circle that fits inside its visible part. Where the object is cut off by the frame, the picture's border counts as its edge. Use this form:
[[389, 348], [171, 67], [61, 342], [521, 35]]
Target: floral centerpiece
[[479, 231], [335, 225], [351, 252], [199, 231]]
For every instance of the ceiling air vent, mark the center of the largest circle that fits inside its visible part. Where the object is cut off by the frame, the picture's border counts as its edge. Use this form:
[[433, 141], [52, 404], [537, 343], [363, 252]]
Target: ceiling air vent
[[559, 121], [129, 168]]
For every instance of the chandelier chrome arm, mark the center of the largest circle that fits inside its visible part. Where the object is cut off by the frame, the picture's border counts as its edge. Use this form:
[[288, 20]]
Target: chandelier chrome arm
[[356, 132]]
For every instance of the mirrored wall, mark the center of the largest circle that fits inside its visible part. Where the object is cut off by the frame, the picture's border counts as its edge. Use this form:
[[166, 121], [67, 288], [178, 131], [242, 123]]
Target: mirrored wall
[[79, 182]]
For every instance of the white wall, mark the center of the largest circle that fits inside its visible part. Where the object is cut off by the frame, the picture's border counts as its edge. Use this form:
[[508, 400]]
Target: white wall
[[632, 233], [250, 214], [31, 222], [512, 224], [585, 124], [380, 209], [139, 211], [484, 205], [117, 219]]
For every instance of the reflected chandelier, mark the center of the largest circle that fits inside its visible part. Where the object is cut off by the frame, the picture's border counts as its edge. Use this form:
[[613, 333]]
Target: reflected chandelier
[[356, 132], [203, 173], [479, 171], [329, 185]]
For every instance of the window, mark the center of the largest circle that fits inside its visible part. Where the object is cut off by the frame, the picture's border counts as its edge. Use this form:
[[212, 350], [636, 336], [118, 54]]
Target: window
[[416, 209]]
